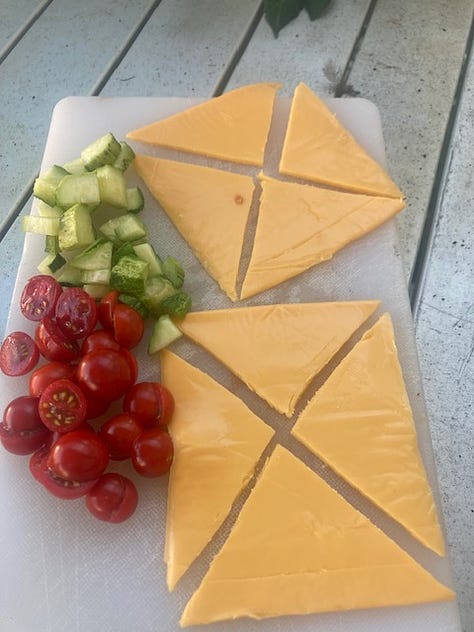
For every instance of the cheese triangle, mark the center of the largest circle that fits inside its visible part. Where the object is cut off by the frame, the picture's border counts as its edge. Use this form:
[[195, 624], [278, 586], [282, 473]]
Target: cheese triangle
[[361, 424], [301, 225], [298, 547], [233, 126], [210, 209], [276, 350], [217, 443], [318, 148]]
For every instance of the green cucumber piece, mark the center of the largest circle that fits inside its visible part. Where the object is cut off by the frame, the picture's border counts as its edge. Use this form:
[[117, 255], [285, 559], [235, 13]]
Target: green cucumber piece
[[45, 210], [75, 166], [177, 305], [51, 244], [163, 333], [75, 228], [96, 277], [40, 225], [70, 276], [135, 200], [80, 188], [173, 271], [156, 290], [112, 186], [125, 157], [97, 256], [124, 228], [51, 264], [122, 251], [134, 302], [128, 275], [103, 151], [147, 253], [45, 185], [96, 291]]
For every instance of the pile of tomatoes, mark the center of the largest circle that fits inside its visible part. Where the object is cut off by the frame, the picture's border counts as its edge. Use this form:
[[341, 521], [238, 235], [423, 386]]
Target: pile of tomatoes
[[89, 365]]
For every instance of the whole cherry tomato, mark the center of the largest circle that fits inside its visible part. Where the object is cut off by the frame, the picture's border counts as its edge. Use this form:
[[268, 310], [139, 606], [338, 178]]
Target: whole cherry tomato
[[75, 313], [152, 453], [18, 354], [99, 339], [39, 297], [53, 345], [128, 326], [62, 406], [21, 430], [113, 498], [78, 456], [151, 402], [49, 372], [119, 433], [104, 374], [106, 309]]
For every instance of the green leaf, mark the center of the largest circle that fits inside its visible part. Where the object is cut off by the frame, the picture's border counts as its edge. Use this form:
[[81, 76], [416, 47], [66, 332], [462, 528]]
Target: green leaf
[[279, 12], [316, 8]]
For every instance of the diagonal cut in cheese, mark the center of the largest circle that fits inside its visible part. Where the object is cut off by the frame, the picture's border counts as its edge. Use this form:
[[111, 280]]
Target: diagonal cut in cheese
[[361, 424], [210, 209], [301, 225], [298, 547], [233, 126], [276, 350], [319, 148], [217, 443]]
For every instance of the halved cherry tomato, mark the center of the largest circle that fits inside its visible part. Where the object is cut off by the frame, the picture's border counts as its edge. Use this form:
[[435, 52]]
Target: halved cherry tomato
[[104, 374], [99, 339], [18, 354], [106, 309], [78, 456], [62, 406], [128, 326], [39, 297], [151, 402], [113, 498], [21, 430], [59, 487], [119, 433], [53, 345], [49, 372], [76, 313], [152, 453]]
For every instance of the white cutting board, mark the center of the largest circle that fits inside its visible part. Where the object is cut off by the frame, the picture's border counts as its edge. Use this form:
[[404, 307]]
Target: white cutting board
[[61, 569]]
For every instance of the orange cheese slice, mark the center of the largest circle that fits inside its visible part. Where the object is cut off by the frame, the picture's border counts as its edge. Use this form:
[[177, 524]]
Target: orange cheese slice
[[360, 422], [276, 350], [318, 148], [298, 547], [301, 225], [210, 209], [233, 126], [217, 443]]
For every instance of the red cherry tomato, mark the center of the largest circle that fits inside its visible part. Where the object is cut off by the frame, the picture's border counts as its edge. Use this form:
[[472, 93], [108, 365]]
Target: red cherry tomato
[[99, 339], [119, 433], [95, 407], [59, 487], [106, 309], [128, 326], [53, 345], [18, 354], [151, 402], [132, 363], [76, 313], [78, 456], [104, 374], [21, 430], [152, 453], [113, 498], [44, 375], [39, 297], [62, 406]]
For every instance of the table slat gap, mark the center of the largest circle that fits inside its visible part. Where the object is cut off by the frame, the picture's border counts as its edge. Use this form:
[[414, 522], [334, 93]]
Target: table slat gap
[[19, 205], [7, 49]]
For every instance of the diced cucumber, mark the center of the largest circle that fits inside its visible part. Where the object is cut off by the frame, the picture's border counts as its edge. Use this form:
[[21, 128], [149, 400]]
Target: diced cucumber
[[164, 332], [135, 200], [45, 210], [124, 228], [96, 277], [173, 271], [129, 275], [103, 151], [76, 230], [177, 305], [51, 244], [40, 225], [75, 166], [134, 302], [45, 185], [156, 289], [70, 276], [125, 157], [51, 264], [147, 253], [122, 250], [80, 188], [97, 256], [112, 186], [96, 291]]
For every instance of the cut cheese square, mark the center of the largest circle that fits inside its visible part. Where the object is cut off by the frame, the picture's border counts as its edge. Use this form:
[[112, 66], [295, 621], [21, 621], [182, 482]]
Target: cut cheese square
[[276, 350], [217, 443], [210, 209], [298, 547], [361, 424], [301, 225], [233, 126], [319, 148]]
